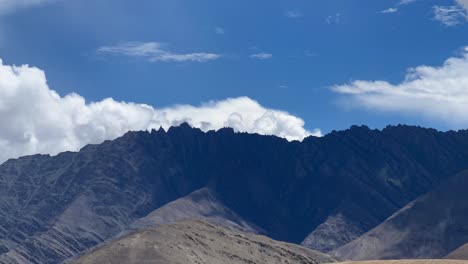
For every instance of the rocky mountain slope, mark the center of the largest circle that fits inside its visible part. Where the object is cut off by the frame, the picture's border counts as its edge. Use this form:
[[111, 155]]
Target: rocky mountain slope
[[199, 242], [53, 208], [459, 253], [430, 227]]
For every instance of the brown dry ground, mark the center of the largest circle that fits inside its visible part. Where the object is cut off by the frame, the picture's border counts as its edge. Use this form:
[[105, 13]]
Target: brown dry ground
[[197, 242]]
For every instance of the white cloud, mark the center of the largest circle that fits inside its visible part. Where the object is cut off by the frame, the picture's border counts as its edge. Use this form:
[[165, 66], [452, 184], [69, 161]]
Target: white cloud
[[156, 52], [450, 15], [219, 30], [262, 56], [435, 92], [389, 10], [35, 119], [8, 6], [406, 2], [395, 9], [294, 14]]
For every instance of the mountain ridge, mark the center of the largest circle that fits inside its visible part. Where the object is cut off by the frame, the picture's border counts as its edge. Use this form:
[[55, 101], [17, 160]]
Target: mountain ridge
[[288, 189]]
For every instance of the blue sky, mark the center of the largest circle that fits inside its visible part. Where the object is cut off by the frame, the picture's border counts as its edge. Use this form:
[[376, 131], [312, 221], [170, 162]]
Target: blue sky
[[285, 55]]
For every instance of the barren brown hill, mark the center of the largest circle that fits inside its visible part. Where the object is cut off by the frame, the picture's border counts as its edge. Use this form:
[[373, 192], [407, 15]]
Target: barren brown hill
[[200, 242], [204, 205]]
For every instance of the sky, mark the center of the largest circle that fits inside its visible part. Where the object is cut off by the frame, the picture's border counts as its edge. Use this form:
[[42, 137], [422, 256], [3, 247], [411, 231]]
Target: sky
[[81, 71]]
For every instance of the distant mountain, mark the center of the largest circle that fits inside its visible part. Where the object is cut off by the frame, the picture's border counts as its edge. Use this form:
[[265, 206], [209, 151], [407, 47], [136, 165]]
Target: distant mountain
[[53, 208], [199, 242], [459, 253], [430, 227]]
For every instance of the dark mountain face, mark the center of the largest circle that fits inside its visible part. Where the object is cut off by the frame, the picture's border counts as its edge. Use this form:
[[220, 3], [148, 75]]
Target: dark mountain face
[[51, 208]]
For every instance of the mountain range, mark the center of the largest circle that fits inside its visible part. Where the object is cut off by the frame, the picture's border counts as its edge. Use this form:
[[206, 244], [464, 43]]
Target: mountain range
[[335, 194]]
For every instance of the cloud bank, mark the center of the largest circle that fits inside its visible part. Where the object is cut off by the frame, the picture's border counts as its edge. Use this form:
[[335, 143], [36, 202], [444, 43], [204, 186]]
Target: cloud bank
[[35, 119], [435, 92], [156, 52]]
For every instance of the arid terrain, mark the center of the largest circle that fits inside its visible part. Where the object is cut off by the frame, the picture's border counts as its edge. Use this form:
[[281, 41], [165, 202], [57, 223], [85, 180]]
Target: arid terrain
[[200, 242]]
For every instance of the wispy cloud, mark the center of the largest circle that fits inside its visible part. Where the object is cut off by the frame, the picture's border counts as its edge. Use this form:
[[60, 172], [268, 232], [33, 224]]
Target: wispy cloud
[[450, 15], [9, 6], [156, 52], [304, 54], [396, 8], [294, 14], [309, 53], [261, 56], [219, 30], [333, 19], [406, 2], [389, 10]]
